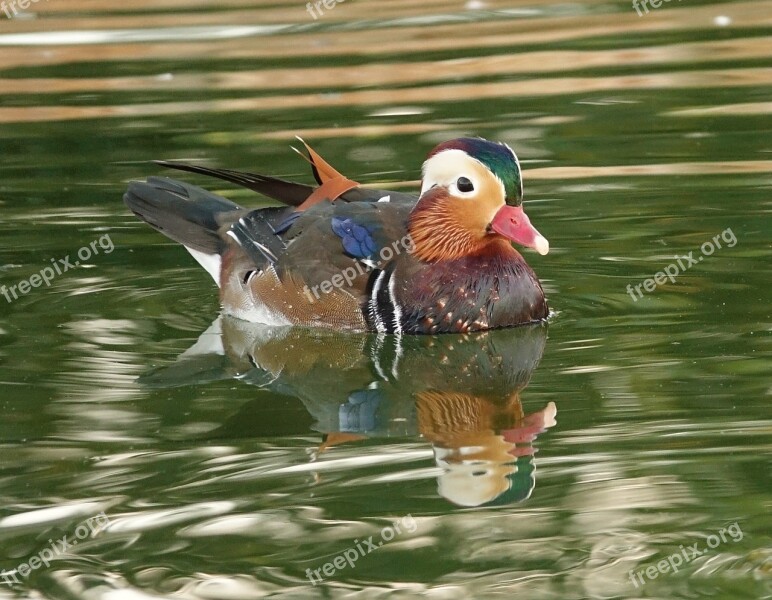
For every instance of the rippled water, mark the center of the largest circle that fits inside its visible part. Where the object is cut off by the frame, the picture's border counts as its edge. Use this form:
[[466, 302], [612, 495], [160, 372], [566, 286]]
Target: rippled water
[[149, 448]]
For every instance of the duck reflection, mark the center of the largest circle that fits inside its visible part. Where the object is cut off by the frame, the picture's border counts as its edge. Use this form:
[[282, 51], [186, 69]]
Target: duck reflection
[[460, 392]]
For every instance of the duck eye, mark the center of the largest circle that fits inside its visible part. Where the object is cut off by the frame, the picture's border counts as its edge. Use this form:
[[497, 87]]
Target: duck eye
[[464, 185]]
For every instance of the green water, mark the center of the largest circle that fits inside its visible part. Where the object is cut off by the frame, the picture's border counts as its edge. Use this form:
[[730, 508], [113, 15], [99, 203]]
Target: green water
[[230, 461]]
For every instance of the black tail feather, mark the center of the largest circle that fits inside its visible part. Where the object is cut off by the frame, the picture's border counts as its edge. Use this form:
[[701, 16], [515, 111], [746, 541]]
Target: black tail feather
[[185, 213], [287, 192]]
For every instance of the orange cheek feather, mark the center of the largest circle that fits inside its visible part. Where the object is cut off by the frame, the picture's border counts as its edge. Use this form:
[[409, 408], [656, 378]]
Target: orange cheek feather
[[444, 227]]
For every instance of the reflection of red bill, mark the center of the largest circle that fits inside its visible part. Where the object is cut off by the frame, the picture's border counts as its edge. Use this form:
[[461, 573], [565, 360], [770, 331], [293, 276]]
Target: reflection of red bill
[[514, 224], [531, 426]]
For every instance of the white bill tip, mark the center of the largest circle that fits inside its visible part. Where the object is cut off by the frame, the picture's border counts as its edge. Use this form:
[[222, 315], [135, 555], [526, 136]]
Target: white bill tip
[[541, 245]]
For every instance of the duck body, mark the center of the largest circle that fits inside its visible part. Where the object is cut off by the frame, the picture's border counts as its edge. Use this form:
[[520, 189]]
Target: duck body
[[471, 293], [352, 258]]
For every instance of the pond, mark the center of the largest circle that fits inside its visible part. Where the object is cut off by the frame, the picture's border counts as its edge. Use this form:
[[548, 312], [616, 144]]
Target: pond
[[152, 448]]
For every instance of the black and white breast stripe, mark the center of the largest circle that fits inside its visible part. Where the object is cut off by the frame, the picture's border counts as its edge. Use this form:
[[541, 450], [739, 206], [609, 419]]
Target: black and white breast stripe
[[383, 312]]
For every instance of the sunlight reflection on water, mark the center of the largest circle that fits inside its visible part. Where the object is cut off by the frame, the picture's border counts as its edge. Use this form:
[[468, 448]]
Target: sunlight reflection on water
[[228, 474]]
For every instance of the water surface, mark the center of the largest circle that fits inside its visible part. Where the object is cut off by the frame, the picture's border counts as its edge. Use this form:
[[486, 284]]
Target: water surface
[[558, 461]]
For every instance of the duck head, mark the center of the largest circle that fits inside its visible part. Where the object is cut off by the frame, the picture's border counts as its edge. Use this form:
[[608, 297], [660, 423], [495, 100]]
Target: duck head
[[471, 201]]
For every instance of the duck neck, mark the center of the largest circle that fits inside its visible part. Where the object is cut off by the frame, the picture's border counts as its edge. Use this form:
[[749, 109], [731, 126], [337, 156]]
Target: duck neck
[[439, 233]]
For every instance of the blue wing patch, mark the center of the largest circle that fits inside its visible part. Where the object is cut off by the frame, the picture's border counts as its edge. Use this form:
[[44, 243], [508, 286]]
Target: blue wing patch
[[357, 239], [360, 413]]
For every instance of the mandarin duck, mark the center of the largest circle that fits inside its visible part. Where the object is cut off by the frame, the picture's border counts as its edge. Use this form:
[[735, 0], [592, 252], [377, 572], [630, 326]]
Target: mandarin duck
[[343, 256]]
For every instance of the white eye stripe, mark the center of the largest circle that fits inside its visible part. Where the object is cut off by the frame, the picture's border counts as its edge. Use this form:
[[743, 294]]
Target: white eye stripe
[[445, 168]]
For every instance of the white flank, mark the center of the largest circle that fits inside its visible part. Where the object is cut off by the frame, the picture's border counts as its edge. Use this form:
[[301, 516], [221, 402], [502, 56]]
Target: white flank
[[210, 262], [253, 309], [258, 313]]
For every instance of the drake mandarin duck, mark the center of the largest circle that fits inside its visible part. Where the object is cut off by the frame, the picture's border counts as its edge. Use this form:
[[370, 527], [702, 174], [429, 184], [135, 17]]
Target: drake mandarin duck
[[347, 257]]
